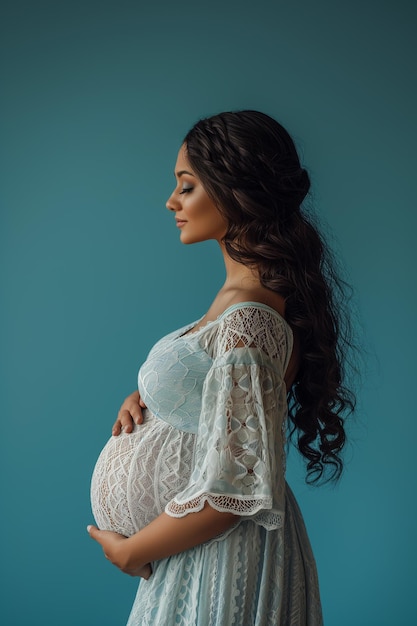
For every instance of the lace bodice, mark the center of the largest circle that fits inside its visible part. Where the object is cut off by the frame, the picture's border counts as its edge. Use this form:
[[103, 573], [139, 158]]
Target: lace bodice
[[219, 398], [172, 377]]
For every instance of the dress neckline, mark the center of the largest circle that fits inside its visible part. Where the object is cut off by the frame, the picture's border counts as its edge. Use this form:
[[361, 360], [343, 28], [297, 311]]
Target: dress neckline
[[188, 332]]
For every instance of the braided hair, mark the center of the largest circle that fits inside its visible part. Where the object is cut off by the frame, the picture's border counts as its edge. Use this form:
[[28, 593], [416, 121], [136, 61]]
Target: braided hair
[[249, 166]]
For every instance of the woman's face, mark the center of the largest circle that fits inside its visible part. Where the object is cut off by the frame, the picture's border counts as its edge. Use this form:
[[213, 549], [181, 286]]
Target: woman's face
[[196, 215]]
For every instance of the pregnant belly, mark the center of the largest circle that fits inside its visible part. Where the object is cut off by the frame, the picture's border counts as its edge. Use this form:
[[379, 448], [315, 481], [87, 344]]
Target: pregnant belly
[[137, 474]]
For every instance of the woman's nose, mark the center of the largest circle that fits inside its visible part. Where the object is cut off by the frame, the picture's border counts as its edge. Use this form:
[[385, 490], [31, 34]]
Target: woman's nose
[[170, 203]]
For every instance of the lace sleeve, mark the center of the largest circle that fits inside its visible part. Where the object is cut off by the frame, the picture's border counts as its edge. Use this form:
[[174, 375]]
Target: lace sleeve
[[239, 456]]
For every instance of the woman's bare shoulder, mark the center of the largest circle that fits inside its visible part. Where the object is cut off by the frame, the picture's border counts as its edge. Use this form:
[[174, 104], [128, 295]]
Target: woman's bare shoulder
[[260, 295]]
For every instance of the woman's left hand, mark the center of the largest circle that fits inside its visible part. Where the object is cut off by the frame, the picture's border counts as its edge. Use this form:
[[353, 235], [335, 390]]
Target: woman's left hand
[[114, 549]]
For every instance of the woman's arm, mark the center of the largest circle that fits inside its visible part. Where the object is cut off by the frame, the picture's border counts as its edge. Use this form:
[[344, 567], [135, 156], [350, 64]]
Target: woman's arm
[[162, 538], [130, 412]]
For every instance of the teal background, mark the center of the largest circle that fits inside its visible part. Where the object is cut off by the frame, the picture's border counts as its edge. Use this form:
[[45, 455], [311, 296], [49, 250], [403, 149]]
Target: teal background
[[96, 97]]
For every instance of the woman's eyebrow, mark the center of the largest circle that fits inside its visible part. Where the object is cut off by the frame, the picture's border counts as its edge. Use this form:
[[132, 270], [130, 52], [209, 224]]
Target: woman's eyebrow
[[181, 172]]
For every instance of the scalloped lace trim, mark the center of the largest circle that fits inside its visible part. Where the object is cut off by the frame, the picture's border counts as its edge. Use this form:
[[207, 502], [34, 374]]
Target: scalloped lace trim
[[253, 507]]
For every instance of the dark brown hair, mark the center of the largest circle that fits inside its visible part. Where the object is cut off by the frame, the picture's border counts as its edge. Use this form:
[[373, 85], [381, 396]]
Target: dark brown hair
[[248, 164]]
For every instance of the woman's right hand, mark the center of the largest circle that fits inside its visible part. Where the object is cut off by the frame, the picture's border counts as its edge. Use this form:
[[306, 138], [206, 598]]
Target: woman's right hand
[[130, 412]]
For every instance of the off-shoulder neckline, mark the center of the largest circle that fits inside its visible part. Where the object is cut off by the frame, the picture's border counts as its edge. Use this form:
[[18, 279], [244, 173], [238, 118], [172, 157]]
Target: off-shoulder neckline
[[188, 331]]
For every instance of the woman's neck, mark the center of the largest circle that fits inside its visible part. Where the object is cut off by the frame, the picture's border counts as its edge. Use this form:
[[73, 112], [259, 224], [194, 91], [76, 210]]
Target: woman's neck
[[237, 274]]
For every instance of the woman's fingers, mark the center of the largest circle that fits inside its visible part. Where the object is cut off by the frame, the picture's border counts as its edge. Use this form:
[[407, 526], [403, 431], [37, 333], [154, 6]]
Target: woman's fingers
[[114, 549], [124, 422], [93, 531], [130, 413], [117, 428]]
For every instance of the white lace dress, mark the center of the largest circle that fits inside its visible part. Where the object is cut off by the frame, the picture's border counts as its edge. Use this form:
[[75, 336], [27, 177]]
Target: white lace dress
[[214, 432]]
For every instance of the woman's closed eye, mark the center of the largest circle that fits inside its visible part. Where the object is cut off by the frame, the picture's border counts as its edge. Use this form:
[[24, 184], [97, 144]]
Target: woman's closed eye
[[186, 190]]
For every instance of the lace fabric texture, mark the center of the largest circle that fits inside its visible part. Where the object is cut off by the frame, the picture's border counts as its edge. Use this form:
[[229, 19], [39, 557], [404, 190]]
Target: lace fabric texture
[[239, 460], [253, 577], [237, 447], [213, 432], [224, 386], [137, 474]]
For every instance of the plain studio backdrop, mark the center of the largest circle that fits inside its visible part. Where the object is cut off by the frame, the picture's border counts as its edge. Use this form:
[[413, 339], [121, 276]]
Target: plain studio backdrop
[[96, 98]]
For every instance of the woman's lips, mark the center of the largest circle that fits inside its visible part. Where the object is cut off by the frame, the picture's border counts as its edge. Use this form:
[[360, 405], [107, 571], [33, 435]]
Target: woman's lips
[[181, 223]]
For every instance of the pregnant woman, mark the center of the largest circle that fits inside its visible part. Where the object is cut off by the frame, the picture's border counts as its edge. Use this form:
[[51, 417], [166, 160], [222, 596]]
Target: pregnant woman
[[190, 491]]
